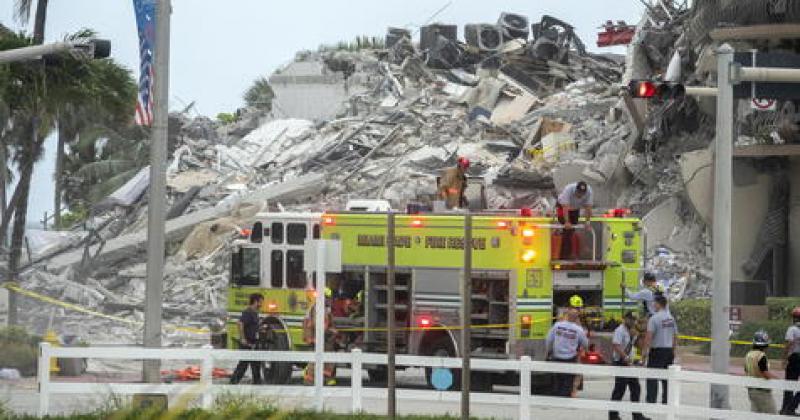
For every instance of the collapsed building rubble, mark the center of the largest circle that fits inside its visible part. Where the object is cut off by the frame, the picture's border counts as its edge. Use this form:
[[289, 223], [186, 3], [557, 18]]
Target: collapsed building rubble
[[532, 114]]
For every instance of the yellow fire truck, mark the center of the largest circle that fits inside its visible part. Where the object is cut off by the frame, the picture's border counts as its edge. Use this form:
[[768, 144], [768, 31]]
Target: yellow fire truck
[[519, 282]]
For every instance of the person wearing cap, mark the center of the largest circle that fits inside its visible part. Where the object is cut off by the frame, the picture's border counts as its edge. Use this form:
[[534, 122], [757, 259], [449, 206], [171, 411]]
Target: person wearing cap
[[565, 342], [660, 342], [647, 294], [573, 198], [453, 184], [309, 337], [623, 354], [756, 365], [791, 359]]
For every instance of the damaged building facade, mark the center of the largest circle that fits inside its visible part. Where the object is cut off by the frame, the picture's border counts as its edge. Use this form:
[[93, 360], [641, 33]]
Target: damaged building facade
[[525, 100], [678, 44]]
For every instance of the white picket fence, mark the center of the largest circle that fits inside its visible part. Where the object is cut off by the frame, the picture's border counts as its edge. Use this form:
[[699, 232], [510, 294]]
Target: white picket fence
[[206, 389]]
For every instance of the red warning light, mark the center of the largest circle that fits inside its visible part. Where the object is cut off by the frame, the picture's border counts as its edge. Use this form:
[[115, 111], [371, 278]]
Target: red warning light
[[424, 321]]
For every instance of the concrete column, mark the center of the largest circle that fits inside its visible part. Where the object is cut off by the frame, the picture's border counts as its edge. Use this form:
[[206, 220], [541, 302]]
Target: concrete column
[[792, 288]]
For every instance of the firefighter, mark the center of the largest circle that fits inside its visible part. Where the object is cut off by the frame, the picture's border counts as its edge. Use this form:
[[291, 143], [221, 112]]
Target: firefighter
[[309, 337], [248, 336], [791, 357], [624, 354], [660, 342], [573, 198], [453, 184], [647, 294], [756, 365], [576, 303], [565, 342]]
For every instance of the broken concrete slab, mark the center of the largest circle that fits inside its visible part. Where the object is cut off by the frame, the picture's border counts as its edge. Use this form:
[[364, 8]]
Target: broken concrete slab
[[661, 222], [697, 173], [184, 181], [555, 144], [176, 229], [509, 110]]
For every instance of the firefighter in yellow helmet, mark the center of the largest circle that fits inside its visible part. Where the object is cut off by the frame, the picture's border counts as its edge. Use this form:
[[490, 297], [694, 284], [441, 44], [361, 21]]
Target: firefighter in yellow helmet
[[309, 337], [576, 302]]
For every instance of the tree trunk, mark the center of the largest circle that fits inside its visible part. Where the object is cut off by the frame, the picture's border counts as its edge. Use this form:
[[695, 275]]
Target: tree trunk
[[6, 222], [39, 21], [21, 215], [59, 176], [3, 182]]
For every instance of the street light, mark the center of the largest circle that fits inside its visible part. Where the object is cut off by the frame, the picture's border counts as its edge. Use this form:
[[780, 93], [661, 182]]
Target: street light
[[86, 49]]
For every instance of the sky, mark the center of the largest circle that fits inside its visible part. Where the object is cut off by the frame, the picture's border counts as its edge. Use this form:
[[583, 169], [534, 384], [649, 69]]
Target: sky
[[219, 47]]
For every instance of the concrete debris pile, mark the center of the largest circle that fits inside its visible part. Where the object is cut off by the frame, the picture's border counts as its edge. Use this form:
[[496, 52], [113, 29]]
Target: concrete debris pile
[[530, 107]]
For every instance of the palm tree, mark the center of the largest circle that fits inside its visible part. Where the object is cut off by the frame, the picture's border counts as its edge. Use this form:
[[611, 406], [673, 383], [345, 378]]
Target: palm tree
[[22, 10], [101, 161], [260, 95], [106, 98], [37, 95]]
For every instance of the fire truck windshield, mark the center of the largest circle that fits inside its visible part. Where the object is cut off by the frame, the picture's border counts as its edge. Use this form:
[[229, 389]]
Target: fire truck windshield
[[246, 267]]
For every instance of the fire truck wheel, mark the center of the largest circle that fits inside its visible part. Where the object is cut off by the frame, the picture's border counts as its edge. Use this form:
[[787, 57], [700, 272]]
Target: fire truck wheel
[[443, 347], [378, 376], [277, 373]]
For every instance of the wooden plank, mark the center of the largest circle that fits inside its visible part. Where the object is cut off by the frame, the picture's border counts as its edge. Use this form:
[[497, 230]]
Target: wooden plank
[[765, 150], [781, 31]]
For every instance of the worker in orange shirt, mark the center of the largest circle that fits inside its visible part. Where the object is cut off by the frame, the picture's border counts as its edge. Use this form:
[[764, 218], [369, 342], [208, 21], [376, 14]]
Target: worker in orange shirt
[[453, 184]]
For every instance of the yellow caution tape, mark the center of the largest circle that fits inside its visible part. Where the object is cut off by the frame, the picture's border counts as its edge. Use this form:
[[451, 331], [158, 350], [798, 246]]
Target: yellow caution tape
[[736, 342], [13, 287]]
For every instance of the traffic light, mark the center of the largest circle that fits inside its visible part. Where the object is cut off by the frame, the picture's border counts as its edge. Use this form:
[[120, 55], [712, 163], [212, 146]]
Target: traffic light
[[646, 89]]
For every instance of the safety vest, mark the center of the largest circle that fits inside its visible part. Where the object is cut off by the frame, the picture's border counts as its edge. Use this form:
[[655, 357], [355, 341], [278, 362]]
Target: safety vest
[[751, 363]]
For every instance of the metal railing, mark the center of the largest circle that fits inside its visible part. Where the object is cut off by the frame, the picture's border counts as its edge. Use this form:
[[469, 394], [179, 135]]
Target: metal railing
[[206, 389]]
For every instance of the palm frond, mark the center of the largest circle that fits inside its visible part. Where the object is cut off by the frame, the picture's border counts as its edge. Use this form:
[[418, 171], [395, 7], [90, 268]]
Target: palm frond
[[22, 10]]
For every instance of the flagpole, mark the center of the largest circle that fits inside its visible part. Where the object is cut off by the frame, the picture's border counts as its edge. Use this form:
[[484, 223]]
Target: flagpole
[[156, 218]]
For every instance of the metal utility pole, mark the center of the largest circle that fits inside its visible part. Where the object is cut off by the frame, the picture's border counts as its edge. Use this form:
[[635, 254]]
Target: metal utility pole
[[390, 317], [156, 212], [723, 214], [319, 324], [466, 318]]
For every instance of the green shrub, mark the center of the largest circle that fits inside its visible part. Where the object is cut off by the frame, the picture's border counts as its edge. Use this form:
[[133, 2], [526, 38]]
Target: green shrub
[[693, 316], [18, 335], [18, 350], [19, 356], [73, 217], [781, 308], [226, 118]]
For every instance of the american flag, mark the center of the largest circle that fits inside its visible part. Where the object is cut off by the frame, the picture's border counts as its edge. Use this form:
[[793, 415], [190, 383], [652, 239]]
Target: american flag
[[146, 22]]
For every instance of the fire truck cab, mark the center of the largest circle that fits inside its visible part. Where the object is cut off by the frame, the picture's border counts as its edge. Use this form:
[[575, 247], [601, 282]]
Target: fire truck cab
[[519, 283]]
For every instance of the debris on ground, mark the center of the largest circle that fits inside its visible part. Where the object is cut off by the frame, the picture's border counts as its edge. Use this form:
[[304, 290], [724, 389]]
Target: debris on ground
[[528, 104]]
